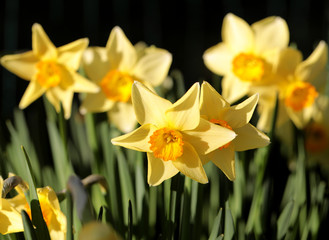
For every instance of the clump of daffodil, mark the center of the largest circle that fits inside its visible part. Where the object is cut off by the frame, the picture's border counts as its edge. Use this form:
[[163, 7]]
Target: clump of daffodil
[[317, 133], [51, 212], [50, 70], [115, 68], [246, 55], [299, 84], [174, 136], [217, 110]]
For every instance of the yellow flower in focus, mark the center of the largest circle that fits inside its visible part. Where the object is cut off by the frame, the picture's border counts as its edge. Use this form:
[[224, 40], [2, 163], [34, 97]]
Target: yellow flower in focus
[[50, 70], [214, 108], [115, 68], [300, 84], [173, 135], [53, 216], [246, 55]]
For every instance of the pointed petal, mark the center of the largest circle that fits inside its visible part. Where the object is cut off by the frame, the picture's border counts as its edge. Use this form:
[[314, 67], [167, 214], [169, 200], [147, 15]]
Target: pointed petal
[[314, 64], [211, 102], [300, 118], [288, 60], [266, 34], [81, 84], [239, 115], [237, 34], [249, 137], [122, 115], [185, 114], [70, 54], [233, 88], [218, 59], [22, 65], [208, 137], [159, 170], [121, 53], [54, 99], [32, 92], [96, 103], [41, 44], [190, 164], [149, 107], [153, 67], [136, 140], [66, 99], [95, 63], [11, 222], [224, 159]]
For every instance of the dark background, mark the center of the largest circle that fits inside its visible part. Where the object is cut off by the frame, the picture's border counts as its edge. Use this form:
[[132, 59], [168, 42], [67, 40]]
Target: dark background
[[185, 28]]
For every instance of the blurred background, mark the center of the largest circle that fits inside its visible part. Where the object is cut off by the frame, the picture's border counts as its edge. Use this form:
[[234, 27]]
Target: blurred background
[[186, 28]]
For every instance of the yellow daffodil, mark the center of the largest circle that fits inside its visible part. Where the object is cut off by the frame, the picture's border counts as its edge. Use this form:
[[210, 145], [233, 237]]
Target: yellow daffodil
[[299, 84], [317, 133], [53, 216], [50, 70], [115, 68], [214, 108], [246, 55], [173, 135]]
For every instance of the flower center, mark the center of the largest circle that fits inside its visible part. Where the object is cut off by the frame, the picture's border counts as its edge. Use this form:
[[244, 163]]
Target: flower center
[[49, 73], [316, 138], [117, 86], [167, 144], [248, 67], [46, 210], [225, 125], [300, 95]]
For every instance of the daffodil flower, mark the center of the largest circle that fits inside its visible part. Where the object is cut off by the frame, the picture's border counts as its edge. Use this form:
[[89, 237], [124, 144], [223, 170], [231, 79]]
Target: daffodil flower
[[10, 212], [115, 68], [246, 55], [173, 135], [50, 70], [217, 110], [299, 84]]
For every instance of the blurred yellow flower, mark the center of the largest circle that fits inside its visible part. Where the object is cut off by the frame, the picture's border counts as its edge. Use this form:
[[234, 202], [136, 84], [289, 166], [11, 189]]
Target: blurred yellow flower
[[115, 68], [299, 84], [214, 108], [98, 231], [173, 135], [246, 55], [53, 216], [50, 70]]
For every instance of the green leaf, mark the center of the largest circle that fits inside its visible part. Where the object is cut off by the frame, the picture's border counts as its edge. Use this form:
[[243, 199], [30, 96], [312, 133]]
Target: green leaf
[[229, 223], [216, 226], [29, 232], [38, 221], [283, 222], [30, 178]]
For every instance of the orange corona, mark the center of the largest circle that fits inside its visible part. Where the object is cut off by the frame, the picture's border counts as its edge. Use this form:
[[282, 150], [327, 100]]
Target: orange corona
[[248, 67], [300, 95]]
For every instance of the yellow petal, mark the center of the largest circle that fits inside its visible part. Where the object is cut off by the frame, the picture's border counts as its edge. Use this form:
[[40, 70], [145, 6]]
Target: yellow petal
[[32, 92], [22, 65], [266, 34], [288, 60], [144, 102], [122, 115], [211, 102], [66, 99], [96, 103], [309, 69], [249, 137], [224, 159], [137, 140], [208, 137], [190, 164], [121, 53], [302, 117], [239, 115], [41, 44], [11, 222], [81, 84], [153, 67], [237, 34], [70, 54], [185, 114], [233, 88], [218, 59], [95, 63], [159, 170], [53, 98]]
